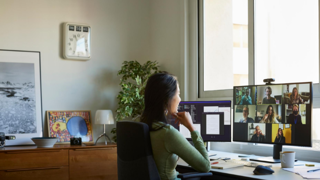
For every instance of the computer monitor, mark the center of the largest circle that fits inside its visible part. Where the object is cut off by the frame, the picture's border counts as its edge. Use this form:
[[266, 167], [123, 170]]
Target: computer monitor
[[277, 114], [210, 118]]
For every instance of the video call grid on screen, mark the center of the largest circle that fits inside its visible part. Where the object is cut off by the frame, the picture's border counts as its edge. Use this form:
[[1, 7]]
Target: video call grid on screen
[[196, 110], [273, 114]]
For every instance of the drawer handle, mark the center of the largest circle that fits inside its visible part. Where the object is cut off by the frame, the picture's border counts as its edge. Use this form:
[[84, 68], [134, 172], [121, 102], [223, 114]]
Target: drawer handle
[[21, 152], [93, 149], [47, 168]]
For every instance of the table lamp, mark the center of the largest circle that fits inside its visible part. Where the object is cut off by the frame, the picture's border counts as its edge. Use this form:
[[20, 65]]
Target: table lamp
[[104, 117]]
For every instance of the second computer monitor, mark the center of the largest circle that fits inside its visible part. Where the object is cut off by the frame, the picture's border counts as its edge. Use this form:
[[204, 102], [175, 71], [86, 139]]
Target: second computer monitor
[[210, 118], [273, 114]]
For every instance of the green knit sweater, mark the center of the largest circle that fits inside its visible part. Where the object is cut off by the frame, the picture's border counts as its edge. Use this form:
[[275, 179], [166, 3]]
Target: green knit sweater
[[168, 145]]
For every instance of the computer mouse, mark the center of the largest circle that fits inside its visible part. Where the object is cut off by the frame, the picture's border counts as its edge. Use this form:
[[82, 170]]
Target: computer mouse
[[262, 170]]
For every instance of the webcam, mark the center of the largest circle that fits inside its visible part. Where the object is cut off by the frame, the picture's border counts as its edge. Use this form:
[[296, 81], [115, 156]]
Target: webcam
[[268, 80]]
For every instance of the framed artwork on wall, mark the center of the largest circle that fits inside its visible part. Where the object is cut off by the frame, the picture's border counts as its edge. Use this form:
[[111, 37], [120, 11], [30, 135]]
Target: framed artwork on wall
[[67, 124], [20, 96]]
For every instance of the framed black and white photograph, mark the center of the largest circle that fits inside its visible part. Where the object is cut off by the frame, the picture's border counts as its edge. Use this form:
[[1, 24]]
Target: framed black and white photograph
[[20, 96]]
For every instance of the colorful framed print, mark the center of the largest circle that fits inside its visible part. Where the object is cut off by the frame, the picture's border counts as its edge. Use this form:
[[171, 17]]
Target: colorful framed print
[[20, 96], [67, 124]]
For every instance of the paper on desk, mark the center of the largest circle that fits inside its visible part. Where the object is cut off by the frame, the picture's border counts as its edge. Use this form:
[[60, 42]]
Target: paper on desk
[[302, 171], [311, 175], [225, 164]]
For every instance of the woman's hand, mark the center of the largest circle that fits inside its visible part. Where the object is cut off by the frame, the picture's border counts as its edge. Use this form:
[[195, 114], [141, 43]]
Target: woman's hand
[[184, 118], [264, 119]]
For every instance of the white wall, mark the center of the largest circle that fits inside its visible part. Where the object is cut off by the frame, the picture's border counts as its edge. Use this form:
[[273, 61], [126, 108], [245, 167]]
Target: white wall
[[120, 31], [167, 37]]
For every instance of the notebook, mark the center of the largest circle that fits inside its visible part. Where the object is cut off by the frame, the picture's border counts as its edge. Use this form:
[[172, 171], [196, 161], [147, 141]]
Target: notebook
[[224, 164]]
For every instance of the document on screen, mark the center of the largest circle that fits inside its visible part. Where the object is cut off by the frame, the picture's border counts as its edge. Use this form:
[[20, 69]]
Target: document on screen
[[186, 133], [210, 108], [226, 111], [212, 124]]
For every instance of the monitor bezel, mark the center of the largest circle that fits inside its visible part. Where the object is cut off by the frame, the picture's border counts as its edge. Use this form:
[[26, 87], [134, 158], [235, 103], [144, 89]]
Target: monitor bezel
[[311, 106]]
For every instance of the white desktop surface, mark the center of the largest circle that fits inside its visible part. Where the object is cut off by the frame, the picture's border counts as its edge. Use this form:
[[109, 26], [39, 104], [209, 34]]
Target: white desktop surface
[[243, 171]]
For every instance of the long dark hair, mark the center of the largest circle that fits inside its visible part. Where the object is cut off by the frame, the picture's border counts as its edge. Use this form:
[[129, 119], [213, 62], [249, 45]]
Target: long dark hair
[[160, 89], [270, 119]]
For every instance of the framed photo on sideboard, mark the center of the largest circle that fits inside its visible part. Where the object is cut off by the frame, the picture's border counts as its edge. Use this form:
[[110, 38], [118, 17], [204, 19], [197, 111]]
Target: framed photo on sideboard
[[20, 96], [67, 124]]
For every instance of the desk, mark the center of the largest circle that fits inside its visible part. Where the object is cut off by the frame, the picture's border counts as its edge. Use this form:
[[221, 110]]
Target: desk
[[244, 172]]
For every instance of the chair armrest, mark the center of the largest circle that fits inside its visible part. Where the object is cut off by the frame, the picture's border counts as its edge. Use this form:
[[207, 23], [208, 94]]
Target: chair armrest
[[193, 175]]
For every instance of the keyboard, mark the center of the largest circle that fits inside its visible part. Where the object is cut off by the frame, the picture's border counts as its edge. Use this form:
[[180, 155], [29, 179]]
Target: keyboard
[[250, 163]]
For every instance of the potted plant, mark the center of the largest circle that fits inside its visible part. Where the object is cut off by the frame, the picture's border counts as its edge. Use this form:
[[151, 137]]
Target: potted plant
[[133, 81]]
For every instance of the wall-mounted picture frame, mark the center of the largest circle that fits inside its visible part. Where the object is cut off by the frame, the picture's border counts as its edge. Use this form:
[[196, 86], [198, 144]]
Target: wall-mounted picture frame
[[67, 124], [20, 95]]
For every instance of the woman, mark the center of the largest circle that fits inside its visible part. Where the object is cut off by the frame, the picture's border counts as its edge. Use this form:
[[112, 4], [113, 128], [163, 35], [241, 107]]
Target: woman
[[162, 99], [280, 138], [295, 97], [294, 117], [269, 116]]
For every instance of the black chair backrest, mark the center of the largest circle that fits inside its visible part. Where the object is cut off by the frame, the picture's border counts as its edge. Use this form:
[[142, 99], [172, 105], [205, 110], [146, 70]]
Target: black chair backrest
[[135, 159]]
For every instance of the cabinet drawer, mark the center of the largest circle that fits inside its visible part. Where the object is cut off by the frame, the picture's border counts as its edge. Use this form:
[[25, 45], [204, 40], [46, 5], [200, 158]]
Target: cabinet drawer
[[51, 173], [93, 163], [33, 159]]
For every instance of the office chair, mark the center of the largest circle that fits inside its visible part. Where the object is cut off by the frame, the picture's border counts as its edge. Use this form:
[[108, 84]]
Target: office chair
[[135, 159]]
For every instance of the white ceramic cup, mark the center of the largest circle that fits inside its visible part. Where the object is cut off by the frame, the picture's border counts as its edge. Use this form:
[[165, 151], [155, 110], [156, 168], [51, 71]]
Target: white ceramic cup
[[287, 159]]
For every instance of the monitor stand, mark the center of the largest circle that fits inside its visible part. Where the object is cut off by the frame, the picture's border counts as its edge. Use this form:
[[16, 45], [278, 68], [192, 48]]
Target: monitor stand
[[206, 144], [277, 148]]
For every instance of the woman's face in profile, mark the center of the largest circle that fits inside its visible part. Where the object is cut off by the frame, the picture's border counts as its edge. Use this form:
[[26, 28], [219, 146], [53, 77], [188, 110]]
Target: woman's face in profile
[[175, 102]]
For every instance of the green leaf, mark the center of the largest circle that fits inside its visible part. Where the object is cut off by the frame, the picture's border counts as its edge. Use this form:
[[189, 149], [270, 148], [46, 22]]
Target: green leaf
[[138, 80], [133, 79]]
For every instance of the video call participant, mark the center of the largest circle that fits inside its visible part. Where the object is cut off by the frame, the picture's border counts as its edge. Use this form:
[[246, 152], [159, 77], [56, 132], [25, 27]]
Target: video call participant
[[268, 99], [295, 97], [246, 99], [280, 138], [258, 136], [245, 113], [269, 116], [294, 117]]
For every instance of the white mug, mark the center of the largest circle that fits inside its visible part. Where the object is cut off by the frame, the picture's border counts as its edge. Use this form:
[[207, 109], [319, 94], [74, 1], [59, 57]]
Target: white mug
[[287, 159]]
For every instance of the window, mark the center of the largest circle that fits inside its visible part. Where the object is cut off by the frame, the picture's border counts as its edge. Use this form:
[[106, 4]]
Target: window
[[225, 44], [284, 43], [286, 36], [245, 41]]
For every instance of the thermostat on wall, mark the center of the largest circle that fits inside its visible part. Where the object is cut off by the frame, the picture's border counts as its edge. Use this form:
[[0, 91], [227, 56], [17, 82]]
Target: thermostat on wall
[[76, 41]]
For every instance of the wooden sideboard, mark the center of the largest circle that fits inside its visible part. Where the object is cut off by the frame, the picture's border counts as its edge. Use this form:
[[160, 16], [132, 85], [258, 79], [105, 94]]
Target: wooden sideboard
[[61, 162]]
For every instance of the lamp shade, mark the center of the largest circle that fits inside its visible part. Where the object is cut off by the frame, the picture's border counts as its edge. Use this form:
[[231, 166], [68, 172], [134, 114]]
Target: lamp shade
[[104, 117]]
